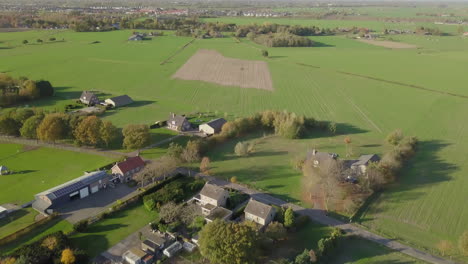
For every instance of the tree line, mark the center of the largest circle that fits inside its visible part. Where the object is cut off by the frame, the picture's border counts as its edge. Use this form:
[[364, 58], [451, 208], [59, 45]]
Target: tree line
[[22, 89]]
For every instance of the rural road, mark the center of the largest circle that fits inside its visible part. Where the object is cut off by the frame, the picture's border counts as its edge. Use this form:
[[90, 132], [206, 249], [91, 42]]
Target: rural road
[[320, 217]]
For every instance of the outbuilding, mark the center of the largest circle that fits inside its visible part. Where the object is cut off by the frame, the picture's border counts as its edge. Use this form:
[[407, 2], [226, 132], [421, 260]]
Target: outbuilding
[[79, 188], [134, 256], [259, 212], [3, 212], [89, 98], [172, 250], [119, 101], [178, 123], [4, 170], [212, 127]]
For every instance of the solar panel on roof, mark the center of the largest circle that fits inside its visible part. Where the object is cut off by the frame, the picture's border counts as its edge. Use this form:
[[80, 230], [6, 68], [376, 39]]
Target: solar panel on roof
[[68, 189]]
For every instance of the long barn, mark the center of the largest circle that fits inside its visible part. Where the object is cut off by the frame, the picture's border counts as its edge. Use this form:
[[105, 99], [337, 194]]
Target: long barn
[[79, 188]]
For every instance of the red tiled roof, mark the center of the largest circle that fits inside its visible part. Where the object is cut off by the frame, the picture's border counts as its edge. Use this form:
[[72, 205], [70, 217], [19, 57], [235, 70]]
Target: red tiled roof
[[130, 164]]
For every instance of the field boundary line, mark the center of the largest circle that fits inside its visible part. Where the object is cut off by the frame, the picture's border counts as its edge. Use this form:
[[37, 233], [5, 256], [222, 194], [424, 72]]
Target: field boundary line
[[178, 51], [403, 84]]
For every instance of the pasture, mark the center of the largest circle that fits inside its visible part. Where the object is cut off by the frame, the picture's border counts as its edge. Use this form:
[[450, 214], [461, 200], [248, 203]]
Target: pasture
[[368, 90], [38, 169]]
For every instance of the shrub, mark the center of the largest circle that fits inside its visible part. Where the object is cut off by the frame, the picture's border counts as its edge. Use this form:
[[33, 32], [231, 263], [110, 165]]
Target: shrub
[[81, 226]]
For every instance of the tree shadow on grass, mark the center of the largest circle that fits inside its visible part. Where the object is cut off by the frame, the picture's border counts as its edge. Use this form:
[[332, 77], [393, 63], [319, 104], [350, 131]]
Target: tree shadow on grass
[[13, 216], [104, 228], [341, 129], [425, 168], [318, 44], [93, 245]]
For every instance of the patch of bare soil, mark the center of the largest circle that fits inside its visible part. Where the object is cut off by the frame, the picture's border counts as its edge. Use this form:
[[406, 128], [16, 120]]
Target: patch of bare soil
[[211, 66], [389, 44]]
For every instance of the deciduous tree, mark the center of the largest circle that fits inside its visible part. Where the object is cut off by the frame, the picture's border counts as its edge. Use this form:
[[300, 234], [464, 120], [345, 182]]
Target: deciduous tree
[[53, 127], [289, 218], [109, 133], [229, 243], [444, 246], [276, 231], [9, 126], [88, 132], [205, 165], [170, 212], [68, 257], [395, 137], [136, 136]]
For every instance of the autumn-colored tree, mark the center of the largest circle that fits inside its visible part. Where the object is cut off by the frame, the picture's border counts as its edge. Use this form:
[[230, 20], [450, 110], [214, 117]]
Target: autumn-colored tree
[[68, 256], [312, 256], [88, 132], [109, 133], [156, 169], [29, 89], [233, 179], [8, 261], [444, 247], [191, 153], [205, 165], [136, 136], [170, 212], [53, 127], [395, 137], [347, 141]]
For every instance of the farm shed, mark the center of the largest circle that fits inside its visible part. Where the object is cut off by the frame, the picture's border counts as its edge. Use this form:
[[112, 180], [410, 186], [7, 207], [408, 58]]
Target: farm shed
[[3, 212], [4, 170], [171, 250], [126, 169], [134, 256], [89, 98], [78, 188], [212, 127], [119, 101], [259, 213], [136, 37], [178, 123]]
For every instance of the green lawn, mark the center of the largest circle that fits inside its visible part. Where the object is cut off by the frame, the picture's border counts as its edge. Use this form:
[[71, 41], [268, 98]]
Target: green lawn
[[38, 169], [426, 206], [53, 226], [109, 231], [17, 220]]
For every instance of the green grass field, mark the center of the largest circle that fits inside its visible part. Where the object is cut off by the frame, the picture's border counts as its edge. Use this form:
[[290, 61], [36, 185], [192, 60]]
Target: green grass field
[[51, 227], [109, 231], [427, 204], [16, 221], [38, 169]]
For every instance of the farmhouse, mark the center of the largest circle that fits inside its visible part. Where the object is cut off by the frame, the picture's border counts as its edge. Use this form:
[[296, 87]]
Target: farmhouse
[[126, 169], [319, 158], [89, 98], [259, 213], [81, 187], [134, 256], [178, 123], [4, 170], [212, 196], [360, 166], [136, 37], [212, 127], [119, 101]]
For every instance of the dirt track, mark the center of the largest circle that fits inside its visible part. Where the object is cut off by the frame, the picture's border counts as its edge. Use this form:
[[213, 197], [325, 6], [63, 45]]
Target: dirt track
[[389, 44], [211, 66]]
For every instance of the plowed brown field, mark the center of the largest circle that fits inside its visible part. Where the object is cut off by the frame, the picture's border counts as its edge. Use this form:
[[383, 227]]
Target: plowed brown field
[[211, 66]]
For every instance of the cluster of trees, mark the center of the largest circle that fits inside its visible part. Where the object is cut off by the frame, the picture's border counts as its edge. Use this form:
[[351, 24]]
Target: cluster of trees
[[175, 191], [331, 173], [446, 247], [53, 248], [267, 28], [13, 90], [36, 124], [429, 31], [281, 40]]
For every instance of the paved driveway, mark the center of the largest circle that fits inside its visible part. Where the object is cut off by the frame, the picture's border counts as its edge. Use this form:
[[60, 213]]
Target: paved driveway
[[95, 203]]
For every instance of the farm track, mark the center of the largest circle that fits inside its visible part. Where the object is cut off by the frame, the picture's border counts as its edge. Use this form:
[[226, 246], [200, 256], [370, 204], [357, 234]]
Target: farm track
[[177, 52]]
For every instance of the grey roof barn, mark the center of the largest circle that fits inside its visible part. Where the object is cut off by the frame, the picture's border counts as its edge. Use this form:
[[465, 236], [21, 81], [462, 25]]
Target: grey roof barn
[[118, 101], [212, 191], [258, 209]]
